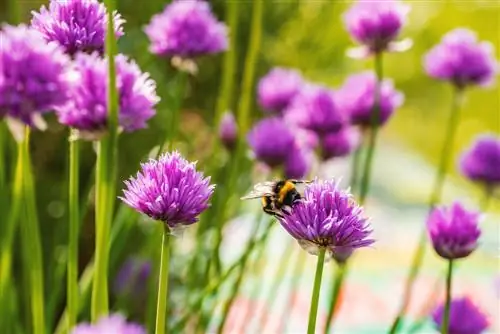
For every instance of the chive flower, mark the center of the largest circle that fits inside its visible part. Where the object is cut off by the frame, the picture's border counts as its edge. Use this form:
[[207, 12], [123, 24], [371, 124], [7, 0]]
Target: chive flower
[[87, 109], [454, 231], [298, 163], [328, 218], [465, 317], [228, 131], [481, 162], [341, 143], [170, 190], [34, 75], [77, 25], [114, 323], [462, 60], [277, 89]]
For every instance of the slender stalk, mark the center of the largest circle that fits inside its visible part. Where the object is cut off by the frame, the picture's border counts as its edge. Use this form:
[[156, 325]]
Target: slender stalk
[[339, 280], [161, 306], [485, 201], [105, 180], [313, 312], [435, 198], [74, 226], [356, 158], [446, 316]]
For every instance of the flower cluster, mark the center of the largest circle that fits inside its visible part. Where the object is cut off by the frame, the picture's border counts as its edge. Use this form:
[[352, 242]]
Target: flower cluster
[[228, 131], [465, 317], [277, 89], [115, 323], [480, 163]]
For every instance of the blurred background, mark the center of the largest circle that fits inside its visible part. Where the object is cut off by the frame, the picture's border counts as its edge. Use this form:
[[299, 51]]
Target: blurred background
[[309, 36]]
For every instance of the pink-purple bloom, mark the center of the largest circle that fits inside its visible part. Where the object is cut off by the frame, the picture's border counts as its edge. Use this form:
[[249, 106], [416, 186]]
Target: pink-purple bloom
[[170, 190], [328, 218], [357, 97], [186, 28], [278, 88], [481, 162], [465, 317], [228, 131], [87, 110], [376, 24], [341, 143], [454, 231], [34, 74], [77, 25], [298, 163], [114, 323], [462, 60]]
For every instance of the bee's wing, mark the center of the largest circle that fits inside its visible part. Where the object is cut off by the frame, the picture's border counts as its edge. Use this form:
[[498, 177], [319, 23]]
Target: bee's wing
[[261, 190], [300, 181]]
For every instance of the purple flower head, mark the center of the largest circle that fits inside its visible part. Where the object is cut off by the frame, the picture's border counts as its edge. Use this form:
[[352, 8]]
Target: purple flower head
[[357, 95], [340, 144], [115, 323], [34, 74], [278, 87], [465, 317], [186, 28], [453, 231], [461, 59], [271, 141], [132, 278], [327, 218], [228, 131], [315, 108], [78, 25], [170, 190], [376, 24], [298, 163], [87, 110], [481, 162]]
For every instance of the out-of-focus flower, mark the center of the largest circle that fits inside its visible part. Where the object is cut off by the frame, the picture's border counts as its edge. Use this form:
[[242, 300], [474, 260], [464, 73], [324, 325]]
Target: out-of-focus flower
[[170, 190], [465, 317], [461, 59], [298, 163], [228, 131], [115, 323], [187, 29], [454, 231], [271, 141], [376, 25], [78, 25], [481, 162], [357, 97], [340, 144], [277, 89], [315, 108], [327, 218], [34, 74], [87, 109], [132, 278]]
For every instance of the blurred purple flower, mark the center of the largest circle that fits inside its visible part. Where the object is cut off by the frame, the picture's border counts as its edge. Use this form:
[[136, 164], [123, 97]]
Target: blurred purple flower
[[34, 74], [454, 231], [132, 278], [315, 108], [461, 59], [298, 163], [78, 25], [376, 24], [356, 98], [465, 317], [114, 323], [481, 162], [228, 131], [341, 143], [277, 88], [87, 110], [169, 190], [186, 28], [327, 218], [271, 141]]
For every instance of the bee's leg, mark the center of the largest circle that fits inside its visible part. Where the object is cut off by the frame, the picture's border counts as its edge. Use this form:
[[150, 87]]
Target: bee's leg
[[268, 210]]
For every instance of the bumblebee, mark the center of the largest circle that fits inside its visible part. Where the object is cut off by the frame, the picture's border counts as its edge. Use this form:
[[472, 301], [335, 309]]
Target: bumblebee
[[278, 197]]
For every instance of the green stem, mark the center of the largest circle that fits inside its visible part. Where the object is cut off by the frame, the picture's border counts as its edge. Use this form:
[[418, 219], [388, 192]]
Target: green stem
[[161, 308], [488, 194], [74, 226], [313, 312], [372, 141], [356, 158], [435, 198], [337, 287], [446, 316]]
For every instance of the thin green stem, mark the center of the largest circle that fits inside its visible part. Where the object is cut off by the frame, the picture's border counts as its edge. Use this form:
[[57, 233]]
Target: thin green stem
[[487, 195], [74, 227], [356, 158], [313, 312], [435, 198], [337, 287], [446, 316], [372, 141], [161, 308]]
